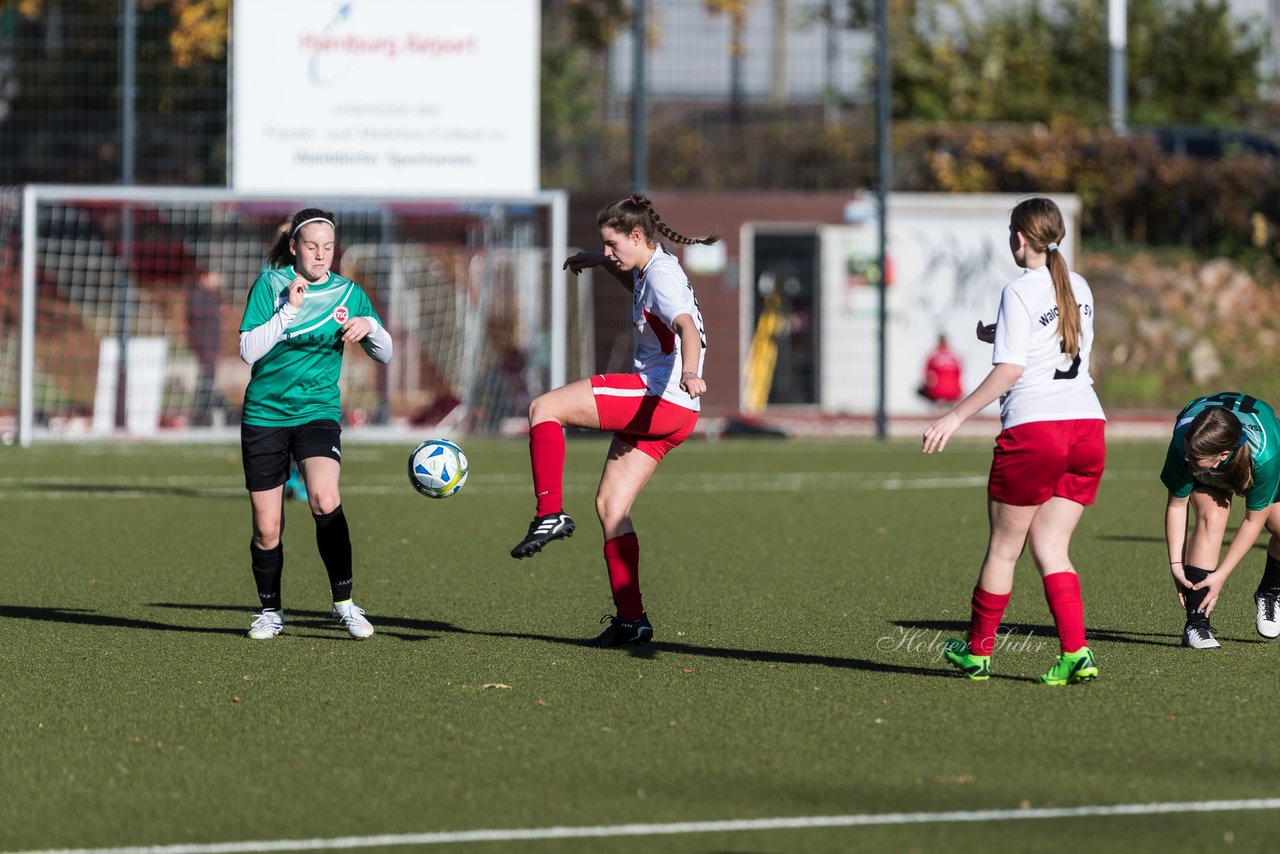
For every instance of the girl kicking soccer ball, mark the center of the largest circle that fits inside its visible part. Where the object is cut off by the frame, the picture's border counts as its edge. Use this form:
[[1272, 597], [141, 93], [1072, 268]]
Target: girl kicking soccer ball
[[649, 411], [1223, 445]]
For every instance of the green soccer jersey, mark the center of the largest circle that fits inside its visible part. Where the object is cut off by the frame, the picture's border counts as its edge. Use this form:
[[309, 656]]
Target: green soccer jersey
[[1262, 433], [297, 380]]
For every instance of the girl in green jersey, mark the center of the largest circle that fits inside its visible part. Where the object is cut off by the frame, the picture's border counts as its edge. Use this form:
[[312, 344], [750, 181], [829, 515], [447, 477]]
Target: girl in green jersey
[[1223, 445], [299, 318]]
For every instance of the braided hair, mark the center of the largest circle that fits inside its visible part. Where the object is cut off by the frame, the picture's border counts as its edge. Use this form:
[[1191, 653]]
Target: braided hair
[[636, 211]]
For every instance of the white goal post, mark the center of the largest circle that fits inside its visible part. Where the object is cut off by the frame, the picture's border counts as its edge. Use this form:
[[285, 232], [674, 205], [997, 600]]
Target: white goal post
[[131, 299]]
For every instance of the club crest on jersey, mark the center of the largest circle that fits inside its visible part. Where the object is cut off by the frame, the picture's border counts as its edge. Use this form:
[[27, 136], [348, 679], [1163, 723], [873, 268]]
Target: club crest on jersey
[[340, 314]]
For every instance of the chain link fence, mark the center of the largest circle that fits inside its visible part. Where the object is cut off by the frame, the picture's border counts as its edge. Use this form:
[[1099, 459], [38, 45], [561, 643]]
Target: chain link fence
[[773, 100]]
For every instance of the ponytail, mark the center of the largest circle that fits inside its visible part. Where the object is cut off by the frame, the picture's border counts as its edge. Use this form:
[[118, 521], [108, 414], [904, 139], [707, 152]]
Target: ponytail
[[1239, 470], [626, 215], [1068, 308], [1040, 221]]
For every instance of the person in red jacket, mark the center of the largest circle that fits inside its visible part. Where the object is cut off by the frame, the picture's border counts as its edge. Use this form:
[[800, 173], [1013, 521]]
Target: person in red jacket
[[941, 375]]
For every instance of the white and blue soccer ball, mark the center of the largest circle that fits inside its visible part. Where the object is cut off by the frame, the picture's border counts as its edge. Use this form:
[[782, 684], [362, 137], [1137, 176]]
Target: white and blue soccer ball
[[437, 468]]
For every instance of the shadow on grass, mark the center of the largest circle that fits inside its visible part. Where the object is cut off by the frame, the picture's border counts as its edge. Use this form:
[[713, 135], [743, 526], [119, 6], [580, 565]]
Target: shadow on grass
[[410, 629], [117, 489], [303, 619], [1015, 631], [1139, 538], [768, 656], [86, 617]]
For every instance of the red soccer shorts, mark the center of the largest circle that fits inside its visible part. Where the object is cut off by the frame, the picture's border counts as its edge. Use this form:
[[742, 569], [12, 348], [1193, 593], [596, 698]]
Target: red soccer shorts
[[645, 421], [1037, 461]]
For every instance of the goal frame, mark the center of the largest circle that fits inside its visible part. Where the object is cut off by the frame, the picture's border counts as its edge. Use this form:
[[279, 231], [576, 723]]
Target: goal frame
[[555, 201]]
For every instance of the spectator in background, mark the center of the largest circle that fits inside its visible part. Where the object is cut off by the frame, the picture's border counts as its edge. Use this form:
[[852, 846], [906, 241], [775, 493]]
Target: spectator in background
[[941, 383], [205, 309]]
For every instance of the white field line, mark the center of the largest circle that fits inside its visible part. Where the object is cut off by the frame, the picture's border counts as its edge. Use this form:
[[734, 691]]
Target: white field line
[[147, 486], [684, 827]]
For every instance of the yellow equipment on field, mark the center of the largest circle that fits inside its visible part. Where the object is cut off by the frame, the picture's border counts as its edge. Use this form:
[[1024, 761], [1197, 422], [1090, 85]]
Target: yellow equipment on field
[[762, 358]]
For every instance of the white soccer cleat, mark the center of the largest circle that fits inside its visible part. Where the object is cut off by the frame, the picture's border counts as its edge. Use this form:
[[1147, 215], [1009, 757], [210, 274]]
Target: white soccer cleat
[[267, 625], [1199, 635], [1268, 613], [351, 617]]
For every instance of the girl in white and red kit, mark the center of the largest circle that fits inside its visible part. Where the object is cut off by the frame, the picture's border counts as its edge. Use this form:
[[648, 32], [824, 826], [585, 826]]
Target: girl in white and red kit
[[1051, 448], [649, 411]]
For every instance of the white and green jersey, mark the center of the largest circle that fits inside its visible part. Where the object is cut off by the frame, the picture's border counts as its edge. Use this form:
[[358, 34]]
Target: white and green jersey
[[297, 380], [1261, 431]]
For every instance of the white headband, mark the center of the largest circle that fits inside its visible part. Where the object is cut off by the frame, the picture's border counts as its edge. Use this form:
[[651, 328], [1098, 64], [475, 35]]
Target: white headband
[[313, 219]]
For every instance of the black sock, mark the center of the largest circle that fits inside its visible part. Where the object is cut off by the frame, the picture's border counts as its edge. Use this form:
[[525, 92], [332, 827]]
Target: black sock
[[1195, 598], [334, 541], [268, 566], [1270, 583]]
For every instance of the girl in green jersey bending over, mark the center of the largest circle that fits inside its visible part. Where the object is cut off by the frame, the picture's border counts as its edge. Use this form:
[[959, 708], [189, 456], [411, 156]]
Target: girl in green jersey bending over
[[298, 321], [1223, 445]]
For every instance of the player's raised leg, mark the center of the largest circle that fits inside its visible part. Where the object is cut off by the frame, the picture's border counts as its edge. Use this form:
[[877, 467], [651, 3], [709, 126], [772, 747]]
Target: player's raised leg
[[572, 405]]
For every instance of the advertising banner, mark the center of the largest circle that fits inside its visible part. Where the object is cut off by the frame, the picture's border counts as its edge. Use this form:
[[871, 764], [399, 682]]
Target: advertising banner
[[385, 96]]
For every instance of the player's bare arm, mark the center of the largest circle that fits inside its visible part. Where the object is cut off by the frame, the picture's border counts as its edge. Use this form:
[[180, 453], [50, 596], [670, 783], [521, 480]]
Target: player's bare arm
[[583, 260], [1245, 537], [1000, 380], [1175, 534], [690, 342]]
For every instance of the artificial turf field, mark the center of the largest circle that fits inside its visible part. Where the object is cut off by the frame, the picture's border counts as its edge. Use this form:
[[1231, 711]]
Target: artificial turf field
[[799, 589]]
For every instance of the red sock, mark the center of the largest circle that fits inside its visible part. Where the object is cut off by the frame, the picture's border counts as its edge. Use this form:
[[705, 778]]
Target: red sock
[[1062, 590], [546, 452], [988, 608], [622, 557]]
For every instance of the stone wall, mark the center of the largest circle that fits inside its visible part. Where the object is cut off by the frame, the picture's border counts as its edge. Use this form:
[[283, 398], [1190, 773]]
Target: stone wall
[[1167, 331]]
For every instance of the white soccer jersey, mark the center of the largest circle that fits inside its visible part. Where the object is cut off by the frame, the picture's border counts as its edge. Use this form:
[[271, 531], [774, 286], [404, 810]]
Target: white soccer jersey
[[660, 293], [1052, 387]]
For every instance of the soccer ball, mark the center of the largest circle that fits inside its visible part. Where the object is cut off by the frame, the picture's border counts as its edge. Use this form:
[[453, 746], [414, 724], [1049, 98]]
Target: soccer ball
[[437, 468]]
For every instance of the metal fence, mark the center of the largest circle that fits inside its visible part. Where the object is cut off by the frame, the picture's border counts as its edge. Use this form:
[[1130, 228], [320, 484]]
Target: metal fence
[[718, 90]]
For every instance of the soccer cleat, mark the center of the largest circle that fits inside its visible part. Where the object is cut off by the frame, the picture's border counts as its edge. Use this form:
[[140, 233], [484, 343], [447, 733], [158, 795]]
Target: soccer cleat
[[620, 633], [267, 625], [1072, 667], [351, 617], [1268, 613], [976, 667], [1198, 634], [542, 530]]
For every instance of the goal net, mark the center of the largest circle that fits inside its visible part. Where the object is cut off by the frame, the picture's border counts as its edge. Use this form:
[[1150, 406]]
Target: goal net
[[121, 309]]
